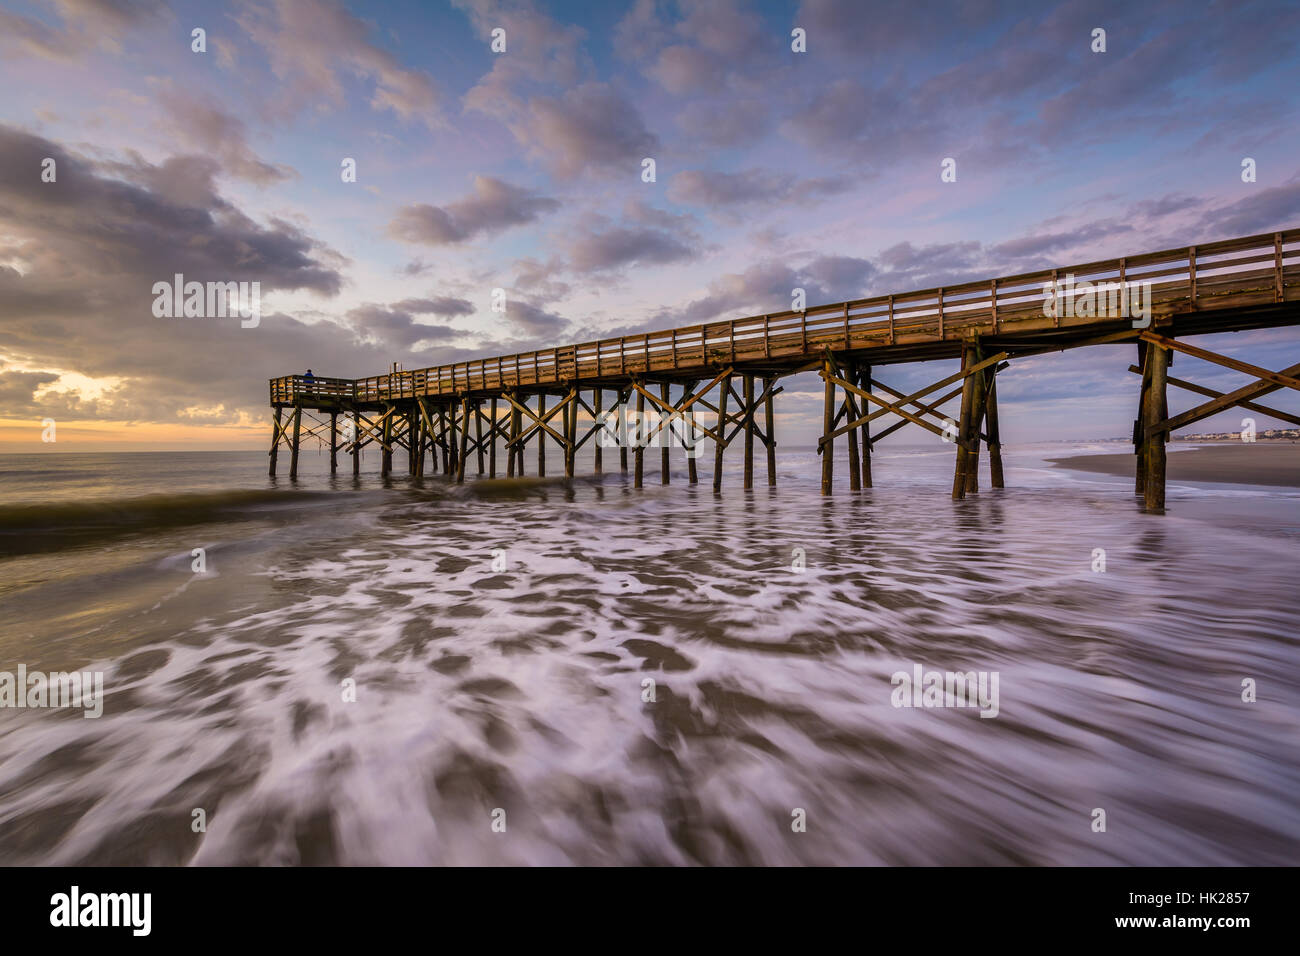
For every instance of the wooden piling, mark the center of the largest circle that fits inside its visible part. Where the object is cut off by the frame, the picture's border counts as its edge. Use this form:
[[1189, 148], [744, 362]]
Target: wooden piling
[[444, 439], [963, 425], [356, 444], [478, 433], [412, 417], [430, 446], [570, 431], [1140, 441], [334, 442], [864, 382], [748, 387], [690, 439], [293, 453], [993, 430], [719, 446], [622, 429], [418, 421], [386, 459], [769, 427], [639, 448], [665, 437], [492, 448], [514, 454], [977, 422], [600, 435], [541, 436], [828, 427], [464, 441], [1157, 410], [275, 440], [850, 406]]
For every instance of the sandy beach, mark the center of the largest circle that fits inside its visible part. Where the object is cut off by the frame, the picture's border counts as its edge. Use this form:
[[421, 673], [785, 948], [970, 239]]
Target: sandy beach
[[1236, 463]]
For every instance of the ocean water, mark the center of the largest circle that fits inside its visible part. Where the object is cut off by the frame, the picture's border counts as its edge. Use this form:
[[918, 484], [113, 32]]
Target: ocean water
[[501, 713]]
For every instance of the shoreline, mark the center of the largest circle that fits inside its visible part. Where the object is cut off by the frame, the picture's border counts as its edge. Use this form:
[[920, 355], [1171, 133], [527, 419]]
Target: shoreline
[[1273, 464]]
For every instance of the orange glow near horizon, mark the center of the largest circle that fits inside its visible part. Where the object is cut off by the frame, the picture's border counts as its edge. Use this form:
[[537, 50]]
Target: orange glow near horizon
[[18, 436]]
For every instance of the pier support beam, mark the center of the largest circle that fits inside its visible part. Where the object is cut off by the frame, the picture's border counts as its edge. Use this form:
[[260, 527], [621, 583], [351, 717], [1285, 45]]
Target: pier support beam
[[478, 433], [624, 396], [1155, 425], [541, 436], [851, 412], [993, 430], [464, 441], [720, 439], [386, 459], [1139, 424], [977, 423], [689, 437], [571, 432], [599, 449], [411, 419], [828, 428], [421, 436], [770, 428], [964, 424], [356, 444], [293, 451], [665, 452], [639, 448], [748, 386], [277, 429], [514, 453], [334, 442], [864, 381], [1155, 411], [492, 448]]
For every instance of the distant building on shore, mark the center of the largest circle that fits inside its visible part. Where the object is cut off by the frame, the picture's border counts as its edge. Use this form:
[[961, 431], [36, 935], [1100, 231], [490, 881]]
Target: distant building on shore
[[1271, 434]]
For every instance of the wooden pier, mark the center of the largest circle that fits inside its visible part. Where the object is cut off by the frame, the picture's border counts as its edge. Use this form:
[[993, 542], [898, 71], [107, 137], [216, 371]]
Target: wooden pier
[[455, 417]]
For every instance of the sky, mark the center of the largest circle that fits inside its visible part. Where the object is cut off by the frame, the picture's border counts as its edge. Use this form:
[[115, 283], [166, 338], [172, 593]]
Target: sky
[[522, 170]]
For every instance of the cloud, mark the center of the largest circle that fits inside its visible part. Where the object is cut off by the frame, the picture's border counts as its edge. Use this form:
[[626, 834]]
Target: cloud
[[724, 123], [17, 392], [115, 15], [681, 69], [837, 278], [620, 246], [702, 187], [765, 286], [492, 207], [90, 223], [590, 126], [537, 89], [86, 24], [538, 280], [206, 127], [1265, 210], [641, 31], [1042, 244], [443, 305], [394, 327], [86, 251], [534, 324], [542, 53], [313, 46]]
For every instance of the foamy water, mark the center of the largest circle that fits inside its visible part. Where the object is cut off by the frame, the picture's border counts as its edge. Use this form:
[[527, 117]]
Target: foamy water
[[522, 690]]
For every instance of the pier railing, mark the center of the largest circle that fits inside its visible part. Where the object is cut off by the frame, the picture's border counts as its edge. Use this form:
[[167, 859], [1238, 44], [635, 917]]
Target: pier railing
[[1232, 273], [291, 388]]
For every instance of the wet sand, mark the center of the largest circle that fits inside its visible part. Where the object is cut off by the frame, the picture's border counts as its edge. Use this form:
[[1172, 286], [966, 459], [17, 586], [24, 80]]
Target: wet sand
[[1236, 463]]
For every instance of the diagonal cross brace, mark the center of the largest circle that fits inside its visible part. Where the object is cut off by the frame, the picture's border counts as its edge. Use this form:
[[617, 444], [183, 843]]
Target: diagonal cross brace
[[897, 407]]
